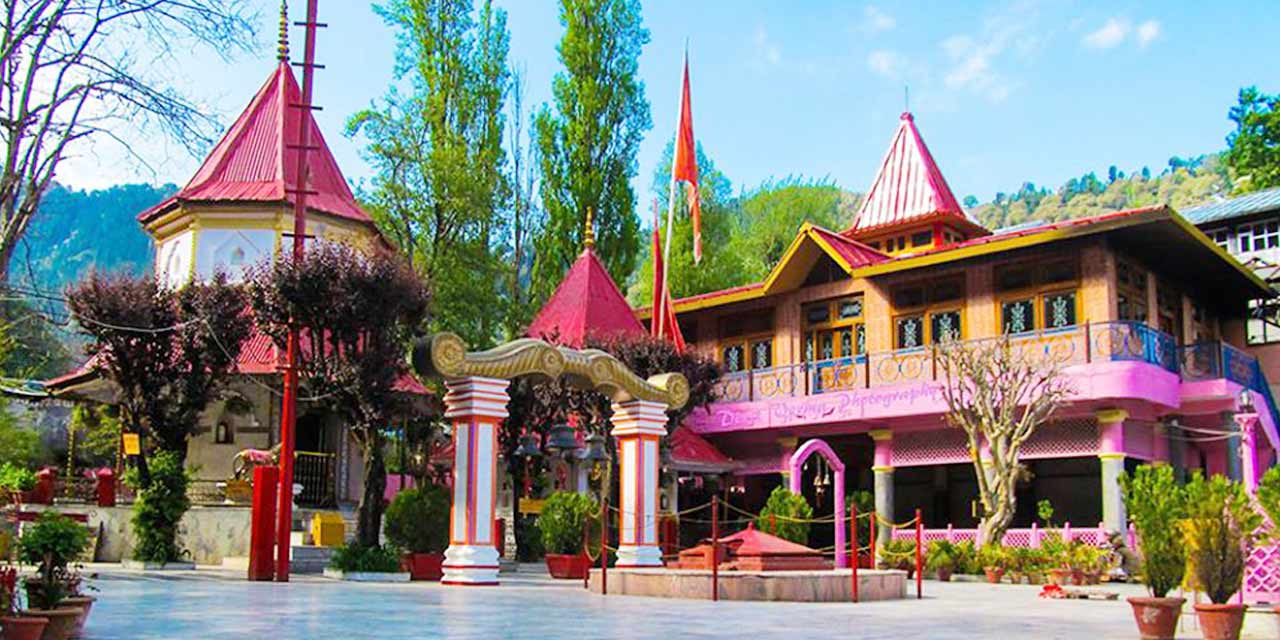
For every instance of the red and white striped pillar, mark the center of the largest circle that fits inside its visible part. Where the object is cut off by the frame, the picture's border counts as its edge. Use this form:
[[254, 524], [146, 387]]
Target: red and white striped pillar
[[638, 425], [477, 406]]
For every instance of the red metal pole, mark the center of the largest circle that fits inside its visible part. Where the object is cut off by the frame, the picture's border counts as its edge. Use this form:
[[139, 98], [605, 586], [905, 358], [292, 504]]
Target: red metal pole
[[715, 548], [288, 413], [872, 519], [586, 551], [604, 547], [919, 556], [853, 533]]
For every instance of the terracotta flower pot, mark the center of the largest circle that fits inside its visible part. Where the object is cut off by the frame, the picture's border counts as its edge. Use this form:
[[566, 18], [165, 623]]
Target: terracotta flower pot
[[62, 621], [1077, 577], [1060, 577], [23, 628], [565, 566], [944, 574], [423, 566], [85, 603], [994, 574], [1157, 618], [1220, 621]]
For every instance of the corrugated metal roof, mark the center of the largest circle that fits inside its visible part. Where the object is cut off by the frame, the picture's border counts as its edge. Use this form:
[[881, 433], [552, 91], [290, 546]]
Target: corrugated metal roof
[[1240, 207], [586, 302], [853, 252], [908, 187], [256, 160]]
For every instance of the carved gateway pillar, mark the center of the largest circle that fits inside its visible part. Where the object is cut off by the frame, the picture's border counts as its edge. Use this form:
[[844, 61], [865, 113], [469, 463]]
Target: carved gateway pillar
[[638, 426], [476, 402], [476, 406]]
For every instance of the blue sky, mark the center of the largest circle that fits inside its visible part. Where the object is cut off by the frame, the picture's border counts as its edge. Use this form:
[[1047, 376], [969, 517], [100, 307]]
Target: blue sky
[[1002, 92]]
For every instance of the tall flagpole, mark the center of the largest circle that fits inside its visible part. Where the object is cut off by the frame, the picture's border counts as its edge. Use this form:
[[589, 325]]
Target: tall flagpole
[[671, 201]]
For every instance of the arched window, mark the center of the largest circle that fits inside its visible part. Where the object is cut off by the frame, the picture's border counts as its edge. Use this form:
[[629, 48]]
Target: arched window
[[222, 433]]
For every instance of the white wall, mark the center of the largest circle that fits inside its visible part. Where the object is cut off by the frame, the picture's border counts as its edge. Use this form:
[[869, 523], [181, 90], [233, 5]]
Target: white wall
[[232, 250], [173, 259]]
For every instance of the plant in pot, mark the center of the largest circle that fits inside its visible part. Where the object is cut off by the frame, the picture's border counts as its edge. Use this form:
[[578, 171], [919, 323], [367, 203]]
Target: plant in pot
[[12, 625], [1083, 559], [1017, 563], [942, 559], [1219, 528], [1036, 564], [50, 543], [966, 558], [1157, 504], [418, 522], [564, 517], [1057, 558], [16, 483], [992, 558], [899, 554]]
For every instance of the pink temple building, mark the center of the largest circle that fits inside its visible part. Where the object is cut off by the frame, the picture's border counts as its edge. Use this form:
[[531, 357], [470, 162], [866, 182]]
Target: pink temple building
[[1145, 313]]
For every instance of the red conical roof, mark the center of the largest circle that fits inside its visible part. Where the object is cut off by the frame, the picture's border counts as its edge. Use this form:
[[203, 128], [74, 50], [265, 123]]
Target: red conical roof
[[908, 188], [257, 158], [753, 542], [587, 302]]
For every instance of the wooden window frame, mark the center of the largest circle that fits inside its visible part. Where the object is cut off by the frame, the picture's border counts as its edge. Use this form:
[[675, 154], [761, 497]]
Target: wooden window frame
[[1037, 292], [927, 310], [745, 341], [834, 323]]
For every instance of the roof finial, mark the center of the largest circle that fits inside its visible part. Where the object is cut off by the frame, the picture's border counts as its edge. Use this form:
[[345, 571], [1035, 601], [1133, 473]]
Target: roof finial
[[589, 234], [282, 47], [906, 101]]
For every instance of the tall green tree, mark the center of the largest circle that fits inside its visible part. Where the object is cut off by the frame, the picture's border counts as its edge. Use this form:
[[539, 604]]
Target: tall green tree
[[588, 143], [1253, 149], [772, 214], [441, 183]]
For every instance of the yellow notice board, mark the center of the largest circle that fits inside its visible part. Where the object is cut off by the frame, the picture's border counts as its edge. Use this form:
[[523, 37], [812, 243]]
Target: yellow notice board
[[530, 505], [132, 444]]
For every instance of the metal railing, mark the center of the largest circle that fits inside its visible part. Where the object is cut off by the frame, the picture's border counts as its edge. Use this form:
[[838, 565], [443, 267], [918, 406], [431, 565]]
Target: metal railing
[[316, 472], [1074, 345]]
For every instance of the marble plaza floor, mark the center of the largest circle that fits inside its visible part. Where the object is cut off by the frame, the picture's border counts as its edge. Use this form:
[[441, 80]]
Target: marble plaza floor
[[210, 604]]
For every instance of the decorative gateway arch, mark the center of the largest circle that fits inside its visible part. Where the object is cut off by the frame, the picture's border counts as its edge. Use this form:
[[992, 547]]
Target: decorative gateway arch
[[476, 402]]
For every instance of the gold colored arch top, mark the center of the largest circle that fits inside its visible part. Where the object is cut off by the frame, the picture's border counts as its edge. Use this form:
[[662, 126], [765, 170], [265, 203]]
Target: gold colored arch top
[[445, 355]]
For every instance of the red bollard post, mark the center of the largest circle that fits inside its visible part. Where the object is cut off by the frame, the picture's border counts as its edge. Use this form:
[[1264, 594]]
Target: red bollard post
[[586, 551], [262, 525], [604, 547], [715, 548], [919, 556], [853, 534]]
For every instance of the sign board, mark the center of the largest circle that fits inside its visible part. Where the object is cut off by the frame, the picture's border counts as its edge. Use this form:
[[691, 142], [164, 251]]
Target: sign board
[[132, 444], [531, 506]]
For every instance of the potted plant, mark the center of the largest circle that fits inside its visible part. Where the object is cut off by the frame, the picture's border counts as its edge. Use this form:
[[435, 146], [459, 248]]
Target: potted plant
[[992, 558], [1083, 560], [12, 625], [16, 483], [1156, 504], [942, 559], [1057, 558], [50, 543], [1220, 525], [418, 522], [76, 597], [965, 556], [562, 521], [899, 554], [1035, 559], [1017, 563]]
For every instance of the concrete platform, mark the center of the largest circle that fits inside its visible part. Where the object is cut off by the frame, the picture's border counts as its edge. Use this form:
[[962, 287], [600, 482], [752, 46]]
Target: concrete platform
[[833, 585]]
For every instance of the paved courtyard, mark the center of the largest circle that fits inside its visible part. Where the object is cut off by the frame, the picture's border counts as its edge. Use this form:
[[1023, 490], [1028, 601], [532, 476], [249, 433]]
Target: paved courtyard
[[212, 605]]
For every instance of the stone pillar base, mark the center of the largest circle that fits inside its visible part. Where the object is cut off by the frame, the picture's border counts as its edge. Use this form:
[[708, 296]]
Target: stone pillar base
[[470, 565], [631, 556]]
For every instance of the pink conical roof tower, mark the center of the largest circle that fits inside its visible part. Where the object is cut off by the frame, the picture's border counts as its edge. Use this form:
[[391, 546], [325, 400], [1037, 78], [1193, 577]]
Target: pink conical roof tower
[[909, 189], [256, 159]]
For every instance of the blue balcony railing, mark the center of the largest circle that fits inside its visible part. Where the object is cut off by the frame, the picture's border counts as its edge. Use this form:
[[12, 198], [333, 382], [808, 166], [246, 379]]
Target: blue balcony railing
[[1080, 344]]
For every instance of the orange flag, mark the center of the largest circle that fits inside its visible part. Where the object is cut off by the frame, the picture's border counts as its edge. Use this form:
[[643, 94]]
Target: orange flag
[[663, 323], [684, 164]]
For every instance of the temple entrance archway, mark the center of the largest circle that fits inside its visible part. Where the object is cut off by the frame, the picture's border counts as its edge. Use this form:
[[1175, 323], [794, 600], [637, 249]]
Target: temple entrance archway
[[796, 468], [476, 404]]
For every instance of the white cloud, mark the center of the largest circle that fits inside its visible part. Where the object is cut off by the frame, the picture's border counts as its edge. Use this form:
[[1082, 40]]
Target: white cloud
[[885, 63], [1147, 32], [877, 20], [1109, 35], [766, 47]]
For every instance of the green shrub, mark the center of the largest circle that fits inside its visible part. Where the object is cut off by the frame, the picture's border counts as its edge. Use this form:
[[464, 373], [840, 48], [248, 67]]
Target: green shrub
[[418, 520], [358, 559], [965, 555], [866, 503], [993, 555], [1221, 520], [15, 479], [562, 520], [1269, 499], [159, 507], [50, 543], [529, 535], [787, 508], [941, 555], [1157, 504]]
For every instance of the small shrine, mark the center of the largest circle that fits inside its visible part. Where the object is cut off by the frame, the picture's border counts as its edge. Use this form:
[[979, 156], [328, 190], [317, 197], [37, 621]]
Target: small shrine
[[754, 550]]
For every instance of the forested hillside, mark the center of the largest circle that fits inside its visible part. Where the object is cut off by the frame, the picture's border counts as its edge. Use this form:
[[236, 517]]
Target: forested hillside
[[75, 230], [1183, 183]]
